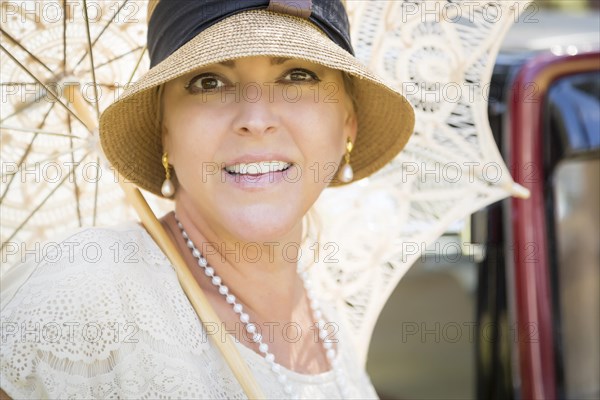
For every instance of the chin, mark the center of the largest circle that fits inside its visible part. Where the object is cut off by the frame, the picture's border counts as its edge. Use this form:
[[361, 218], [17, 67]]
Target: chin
[[264, 224]]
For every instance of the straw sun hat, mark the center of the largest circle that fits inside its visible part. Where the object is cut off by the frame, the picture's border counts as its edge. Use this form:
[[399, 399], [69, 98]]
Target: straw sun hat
[[185, 35]]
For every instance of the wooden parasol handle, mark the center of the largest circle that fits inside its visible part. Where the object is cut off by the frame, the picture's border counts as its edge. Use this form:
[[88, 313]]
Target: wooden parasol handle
[[191, 288]]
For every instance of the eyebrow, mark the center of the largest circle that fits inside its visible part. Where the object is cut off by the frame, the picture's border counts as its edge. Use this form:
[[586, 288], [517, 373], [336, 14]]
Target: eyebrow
[[274, 61]]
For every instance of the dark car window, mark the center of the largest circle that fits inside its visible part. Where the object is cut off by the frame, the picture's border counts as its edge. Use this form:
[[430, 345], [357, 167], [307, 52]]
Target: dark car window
[[574, 104], [577, 226], [573, 110]]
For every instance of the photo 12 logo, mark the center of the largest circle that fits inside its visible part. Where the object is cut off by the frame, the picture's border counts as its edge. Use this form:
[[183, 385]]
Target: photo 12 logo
[[471, 11], [69, 332], [70, 11]]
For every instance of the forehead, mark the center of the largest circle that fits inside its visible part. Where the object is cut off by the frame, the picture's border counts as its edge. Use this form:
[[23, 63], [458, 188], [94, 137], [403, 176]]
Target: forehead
[[272, 61], [262, 62]]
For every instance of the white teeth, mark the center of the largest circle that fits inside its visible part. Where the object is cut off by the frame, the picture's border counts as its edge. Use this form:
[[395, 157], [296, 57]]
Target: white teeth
[[261, 167]]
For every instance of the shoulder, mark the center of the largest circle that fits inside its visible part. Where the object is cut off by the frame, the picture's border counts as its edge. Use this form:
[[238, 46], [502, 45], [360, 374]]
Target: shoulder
[[96, 261], [100, 251], [88, 244], [101, 303], [89, 269], [95, 246]]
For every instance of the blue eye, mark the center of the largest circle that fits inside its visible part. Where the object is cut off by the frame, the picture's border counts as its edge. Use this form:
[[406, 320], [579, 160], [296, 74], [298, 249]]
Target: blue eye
[[207, 82]]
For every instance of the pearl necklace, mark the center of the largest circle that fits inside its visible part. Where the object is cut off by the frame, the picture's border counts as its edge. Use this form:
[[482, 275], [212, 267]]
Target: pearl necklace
[[257, 337]]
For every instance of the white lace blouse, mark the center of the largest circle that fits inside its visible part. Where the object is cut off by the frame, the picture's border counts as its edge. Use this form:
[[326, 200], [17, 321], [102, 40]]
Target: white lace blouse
[[102, 315]]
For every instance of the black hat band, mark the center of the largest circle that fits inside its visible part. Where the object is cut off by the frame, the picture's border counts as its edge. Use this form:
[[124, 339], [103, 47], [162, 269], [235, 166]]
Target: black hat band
[[176, 22]]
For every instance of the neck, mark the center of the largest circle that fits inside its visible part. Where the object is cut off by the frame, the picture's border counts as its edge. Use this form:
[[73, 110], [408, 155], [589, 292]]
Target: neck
[[262, 275]]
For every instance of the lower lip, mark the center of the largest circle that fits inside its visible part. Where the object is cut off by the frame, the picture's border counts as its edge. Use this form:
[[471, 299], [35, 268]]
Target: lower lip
[[270, 179]]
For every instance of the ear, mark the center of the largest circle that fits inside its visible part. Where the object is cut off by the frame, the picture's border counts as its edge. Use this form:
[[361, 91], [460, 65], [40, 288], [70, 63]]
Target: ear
[[164, 132], [350, 127], [165, 138]]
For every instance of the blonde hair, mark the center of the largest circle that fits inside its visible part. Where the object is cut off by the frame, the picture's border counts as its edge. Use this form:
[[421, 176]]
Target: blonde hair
[[350, 88], [151, 6]]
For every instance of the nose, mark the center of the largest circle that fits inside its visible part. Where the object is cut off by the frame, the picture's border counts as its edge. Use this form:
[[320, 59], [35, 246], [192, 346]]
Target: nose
[[256, 114]]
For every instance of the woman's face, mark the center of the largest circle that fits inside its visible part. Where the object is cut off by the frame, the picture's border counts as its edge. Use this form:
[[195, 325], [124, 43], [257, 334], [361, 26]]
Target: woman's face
[[231, 128]]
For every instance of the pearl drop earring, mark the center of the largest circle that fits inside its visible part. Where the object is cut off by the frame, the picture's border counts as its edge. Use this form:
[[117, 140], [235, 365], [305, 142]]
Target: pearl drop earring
[[168, 188], [346, 173]]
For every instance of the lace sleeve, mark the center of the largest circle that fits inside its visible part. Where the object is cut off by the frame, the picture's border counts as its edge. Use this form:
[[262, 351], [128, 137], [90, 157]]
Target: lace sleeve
[[103, 315]]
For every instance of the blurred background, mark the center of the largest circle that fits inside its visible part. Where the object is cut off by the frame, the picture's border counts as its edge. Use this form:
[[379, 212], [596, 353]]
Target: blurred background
[[450, 329]]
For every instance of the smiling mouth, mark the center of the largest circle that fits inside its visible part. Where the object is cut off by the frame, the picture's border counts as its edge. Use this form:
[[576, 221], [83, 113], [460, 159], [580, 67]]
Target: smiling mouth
[[257, 168]]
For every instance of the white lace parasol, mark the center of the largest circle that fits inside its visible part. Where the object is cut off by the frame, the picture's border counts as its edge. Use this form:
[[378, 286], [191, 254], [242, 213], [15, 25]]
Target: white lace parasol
[[54, 177], [441, 55]]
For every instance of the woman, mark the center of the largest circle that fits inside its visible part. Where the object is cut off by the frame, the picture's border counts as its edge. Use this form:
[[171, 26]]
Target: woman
[[249, 111]]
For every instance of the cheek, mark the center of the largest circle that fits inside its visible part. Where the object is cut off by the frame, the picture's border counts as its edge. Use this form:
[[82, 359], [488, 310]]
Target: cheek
[[321, 143], [192, 134], [322, 133]]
